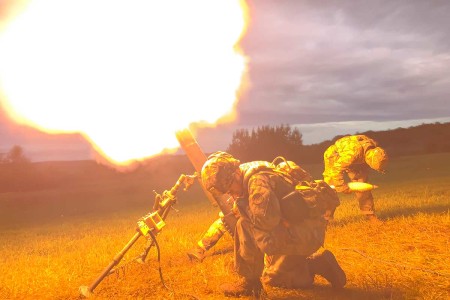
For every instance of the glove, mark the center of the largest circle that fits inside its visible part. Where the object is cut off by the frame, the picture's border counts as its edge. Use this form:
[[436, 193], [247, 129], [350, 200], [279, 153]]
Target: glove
[[343, 189]]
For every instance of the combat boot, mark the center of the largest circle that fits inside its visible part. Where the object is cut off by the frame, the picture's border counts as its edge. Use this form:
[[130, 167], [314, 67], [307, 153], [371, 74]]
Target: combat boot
[[326, 265], [196, 254], [243, 287]]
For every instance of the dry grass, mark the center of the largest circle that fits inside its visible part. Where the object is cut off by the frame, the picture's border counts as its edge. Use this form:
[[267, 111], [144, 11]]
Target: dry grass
[[406, 257]]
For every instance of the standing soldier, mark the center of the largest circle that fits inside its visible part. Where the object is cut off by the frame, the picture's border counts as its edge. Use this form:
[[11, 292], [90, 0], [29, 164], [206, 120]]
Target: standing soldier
[[354, 155], [263, 228]]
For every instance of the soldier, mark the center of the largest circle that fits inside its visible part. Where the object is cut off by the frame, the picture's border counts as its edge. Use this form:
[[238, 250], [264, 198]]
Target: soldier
[[217, 229], [262, 227], [208, 240], [354, 155]]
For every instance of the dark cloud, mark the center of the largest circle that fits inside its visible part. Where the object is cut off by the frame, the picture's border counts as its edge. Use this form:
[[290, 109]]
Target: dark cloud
[[326, 61]]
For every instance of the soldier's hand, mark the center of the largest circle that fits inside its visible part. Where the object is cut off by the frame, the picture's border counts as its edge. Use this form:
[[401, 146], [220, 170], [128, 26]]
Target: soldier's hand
[[235, 210], [343, 189]]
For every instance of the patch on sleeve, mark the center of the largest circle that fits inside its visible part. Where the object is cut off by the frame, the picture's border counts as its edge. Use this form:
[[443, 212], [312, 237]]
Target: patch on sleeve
[[259, 189]]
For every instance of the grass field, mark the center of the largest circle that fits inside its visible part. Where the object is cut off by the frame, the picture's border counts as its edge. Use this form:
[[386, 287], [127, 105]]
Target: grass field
[[53, 241]]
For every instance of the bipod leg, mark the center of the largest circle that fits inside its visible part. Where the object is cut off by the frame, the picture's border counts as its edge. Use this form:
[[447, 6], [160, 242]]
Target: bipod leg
[[143, 256], [87, 291]]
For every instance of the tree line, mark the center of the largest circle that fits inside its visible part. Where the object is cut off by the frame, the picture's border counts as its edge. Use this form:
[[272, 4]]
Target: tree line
[[267, 142], [17, 173]]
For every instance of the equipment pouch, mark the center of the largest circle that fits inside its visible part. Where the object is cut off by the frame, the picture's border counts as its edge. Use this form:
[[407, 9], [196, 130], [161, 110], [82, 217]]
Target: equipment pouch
[[321, 199], [294, 208]]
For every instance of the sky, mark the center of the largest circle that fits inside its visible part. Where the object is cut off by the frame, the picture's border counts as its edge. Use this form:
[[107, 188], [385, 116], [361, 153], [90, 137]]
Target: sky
[[338, 67], [341, 67]]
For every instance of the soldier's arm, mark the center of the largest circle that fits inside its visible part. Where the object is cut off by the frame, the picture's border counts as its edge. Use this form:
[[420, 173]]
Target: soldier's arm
[[335, 177], [263, 203], [347, 156]]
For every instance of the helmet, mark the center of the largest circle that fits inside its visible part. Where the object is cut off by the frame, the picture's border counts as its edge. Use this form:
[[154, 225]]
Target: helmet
[[217, 172], [377, 159]]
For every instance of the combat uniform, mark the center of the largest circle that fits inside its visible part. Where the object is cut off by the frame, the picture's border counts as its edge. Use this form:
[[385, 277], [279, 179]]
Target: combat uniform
[[217, 229], [262, 228], [213, 234], [348, 155]]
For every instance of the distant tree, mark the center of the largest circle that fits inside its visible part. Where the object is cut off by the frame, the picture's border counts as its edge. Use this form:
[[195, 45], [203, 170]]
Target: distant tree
[[16, 171], [15, 156], [266, 143]]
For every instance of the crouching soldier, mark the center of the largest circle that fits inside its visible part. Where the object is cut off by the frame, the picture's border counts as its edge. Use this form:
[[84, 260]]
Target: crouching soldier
[[217, 229], [265, 227]]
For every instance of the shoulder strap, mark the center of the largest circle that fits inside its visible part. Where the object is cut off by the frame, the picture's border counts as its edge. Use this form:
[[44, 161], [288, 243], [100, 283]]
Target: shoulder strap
[[256, 168]]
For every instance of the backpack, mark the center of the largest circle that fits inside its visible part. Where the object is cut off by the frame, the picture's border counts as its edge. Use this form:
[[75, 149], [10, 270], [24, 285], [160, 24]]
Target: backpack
[[320, 198], [289, 170], [308, 199]]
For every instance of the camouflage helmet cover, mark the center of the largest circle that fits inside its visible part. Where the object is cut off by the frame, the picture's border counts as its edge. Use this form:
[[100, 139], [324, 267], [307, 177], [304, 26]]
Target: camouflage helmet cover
[[217, 172], [377, 159]]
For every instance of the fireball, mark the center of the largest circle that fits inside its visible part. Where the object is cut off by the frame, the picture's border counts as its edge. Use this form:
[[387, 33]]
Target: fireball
[[125, 74]]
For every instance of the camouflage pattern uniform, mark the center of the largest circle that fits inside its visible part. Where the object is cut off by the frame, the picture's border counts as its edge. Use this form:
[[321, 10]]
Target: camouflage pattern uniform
[[217, 229], [261, 228], [349, 155], [287, 271], [212, 235], [275, 264]]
